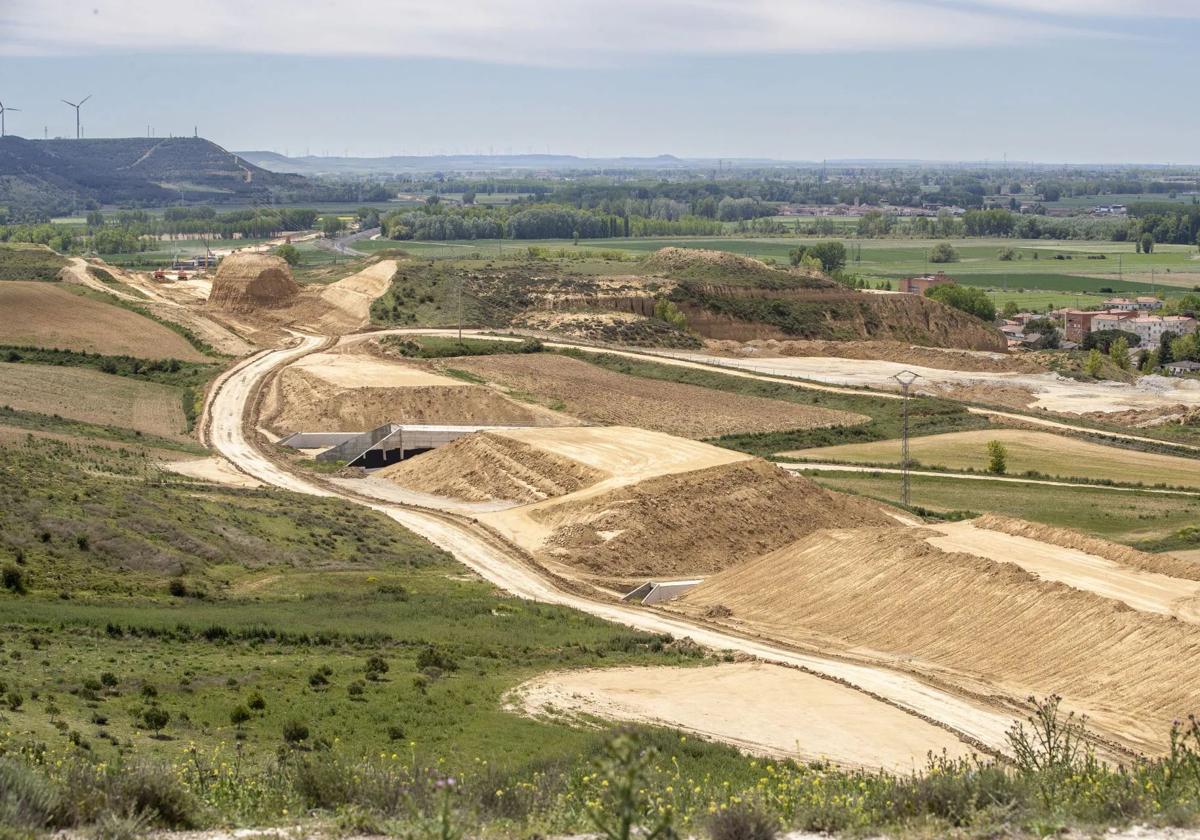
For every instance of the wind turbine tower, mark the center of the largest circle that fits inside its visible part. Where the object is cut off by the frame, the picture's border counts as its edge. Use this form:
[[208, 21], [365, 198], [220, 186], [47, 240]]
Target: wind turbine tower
[[3, 111], [77, 106]]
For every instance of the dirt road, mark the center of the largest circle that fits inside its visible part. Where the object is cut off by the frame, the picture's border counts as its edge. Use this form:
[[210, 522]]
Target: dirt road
[[225, 430], [764, 709], [1142, 590]]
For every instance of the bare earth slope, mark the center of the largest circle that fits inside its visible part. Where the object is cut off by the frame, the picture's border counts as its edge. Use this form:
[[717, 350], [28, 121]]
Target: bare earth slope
[[349, 393], [975, 623], [487, 467], [47, 315], [605, 397], [683, 523]]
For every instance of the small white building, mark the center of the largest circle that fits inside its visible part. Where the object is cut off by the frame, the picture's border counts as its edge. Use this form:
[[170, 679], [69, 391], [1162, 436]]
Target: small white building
[[1150, 328]]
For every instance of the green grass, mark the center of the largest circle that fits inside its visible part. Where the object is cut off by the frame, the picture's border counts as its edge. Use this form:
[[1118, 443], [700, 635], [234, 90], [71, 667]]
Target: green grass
[[19, 261], [438, 347], [35, 422], [1123, 516]]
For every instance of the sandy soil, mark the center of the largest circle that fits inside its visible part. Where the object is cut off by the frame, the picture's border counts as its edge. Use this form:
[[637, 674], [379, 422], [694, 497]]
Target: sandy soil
[[1049, 391], [47, 315], [357, 392], [488, 466], [892, 351], [214, 469], [351, 370], [698, 511], [605, 397], [1047, 453], [1146, 591], [981, 625], [93, 397], [177, 307], [764, 709]]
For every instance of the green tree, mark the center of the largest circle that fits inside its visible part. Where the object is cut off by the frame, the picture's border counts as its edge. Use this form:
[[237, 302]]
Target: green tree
[[970, 299], [1094, 365], [1166, 353], [943, 252], [332, 225], [155, 718], [997, 457], [290, 253], [1011, 309], [1119, 353], [1147, 243], [832, 255]]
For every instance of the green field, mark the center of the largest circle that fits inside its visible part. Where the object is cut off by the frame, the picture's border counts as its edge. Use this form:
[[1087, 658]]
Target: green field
[[1029, 452], [1129, 517], [1170, 269]]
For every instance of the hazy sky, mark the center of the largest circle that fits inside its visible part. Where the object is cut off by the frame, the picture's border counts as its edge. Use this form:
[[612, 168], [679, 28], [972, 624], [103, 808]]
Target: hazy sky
[[1047, 80]]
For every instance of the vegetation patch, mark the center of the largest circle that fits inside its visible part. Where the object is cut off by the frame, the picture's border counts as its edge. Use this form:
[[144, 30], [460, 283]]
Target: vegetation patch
[[29, 262]]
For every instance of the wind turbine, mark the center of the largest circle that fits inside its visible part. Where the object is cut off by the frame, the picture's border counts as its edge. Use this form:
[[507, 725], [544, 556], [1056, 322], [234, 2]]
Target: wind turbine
[[78, 132], [3, 111]]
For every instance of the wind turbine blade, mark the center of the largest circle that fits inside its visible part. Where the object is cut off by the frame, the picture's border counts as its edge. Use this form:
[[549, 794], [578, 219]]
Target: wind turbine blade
[[2, 108], [85, 99], [72, 104]]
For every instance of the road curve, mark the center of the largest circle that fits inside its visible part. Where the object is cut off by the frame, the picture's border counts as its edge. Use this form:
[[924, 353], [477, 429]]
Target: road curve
[[225, 431]]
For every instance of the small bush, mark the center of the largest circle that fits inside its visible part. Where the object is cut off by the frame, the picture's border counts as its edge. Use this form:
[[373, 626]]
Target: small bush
[[239, 715], [356, 690], [376, 667], [317, 679], [155, 791], [256, 702], [149, 690], [177, 588], [13, 579], [295, 731], [743, 821], [28, 802], [108, 679], [155, 718], [14, 701], [431, 657]]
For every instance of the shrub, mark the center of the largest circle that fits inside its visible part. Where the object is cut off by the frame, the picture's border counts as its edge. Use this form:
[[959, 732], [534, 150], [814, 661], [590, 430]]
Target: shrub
[[177, 588], [969, 299], [376, 667], [149, 690], [14, 701], [317, 679], [155, 718], [621, 808], [743, 821], [431, 657], [943, 252], [997, 457], [28, 802], [356, 689], [295, 731], [395, 733], [108, 679], [239, 715], [256, 702], [13, 579], [151, 789]]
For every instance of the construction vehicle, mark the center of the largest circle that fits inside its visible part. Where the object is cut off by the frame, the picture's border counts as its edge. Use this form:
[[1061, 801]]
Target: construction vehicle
[[160, 275]]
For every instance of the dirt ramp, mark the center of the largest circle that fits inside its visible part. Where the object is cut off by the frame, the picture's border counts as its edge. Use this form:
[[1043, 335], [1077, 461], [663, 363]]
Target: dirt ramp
[[488, 467], [983, 626], [1163, 564], [248, 282], [695, 522]]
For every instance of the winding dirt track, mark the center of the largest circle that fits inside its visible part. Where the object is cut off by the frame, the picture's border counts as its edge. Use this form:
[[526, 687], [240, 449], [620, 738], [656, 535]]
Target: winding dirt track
[[232, 399]]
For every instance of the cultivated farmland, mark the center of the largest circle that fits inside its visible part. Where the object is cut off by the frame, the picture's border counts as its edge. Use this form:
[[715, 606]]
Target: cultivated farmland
[[94, 397], [50, 315], [1028, 451]]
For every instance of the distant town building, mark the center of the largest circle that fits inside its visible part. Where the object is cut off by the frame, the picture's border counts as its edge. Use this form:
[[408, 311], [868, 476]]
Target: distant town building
[[1150, 328], [920, 285], [1086, 322], [1182, 368], [1133, 304]]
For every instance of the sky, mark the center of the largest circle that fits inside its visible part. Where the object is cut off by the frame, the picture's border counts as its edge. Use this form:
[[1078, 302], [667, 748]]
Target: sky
[[1054, 81]]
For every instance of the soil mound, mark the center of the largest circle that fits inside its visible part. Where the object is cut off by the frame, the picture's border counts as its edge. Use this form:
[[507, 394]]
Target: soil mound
[[1163, 564], [488, 467], [696, 522], [984, 626], [248, 282], [606, 397], [722, 266], [302, 400], [889, 351]]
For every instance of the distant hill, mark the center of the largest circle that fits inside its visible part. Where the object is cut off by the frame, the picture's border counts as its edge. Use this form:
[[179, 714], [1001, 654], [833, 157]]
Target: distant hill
[[407, 164], [48, 175]]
